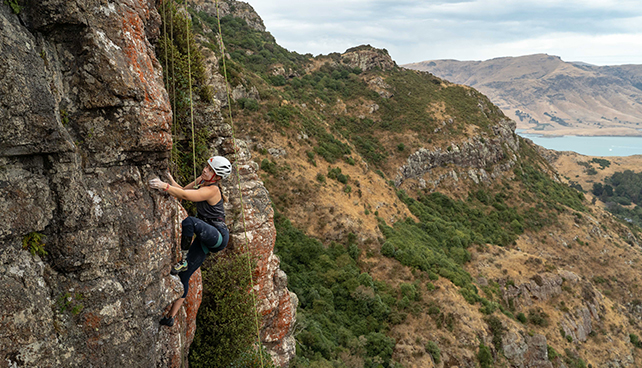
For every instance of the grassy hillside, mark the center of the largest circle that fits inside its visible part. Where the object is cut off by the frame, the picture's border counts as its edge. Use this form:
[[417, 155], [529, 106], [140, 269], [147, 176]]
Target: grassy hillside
[[412, 275], [546, 95]]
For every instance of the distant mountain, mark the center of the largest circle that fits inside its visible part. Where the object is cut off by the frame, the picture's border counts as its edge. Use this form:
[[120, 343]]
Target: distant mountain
[[544, 94]]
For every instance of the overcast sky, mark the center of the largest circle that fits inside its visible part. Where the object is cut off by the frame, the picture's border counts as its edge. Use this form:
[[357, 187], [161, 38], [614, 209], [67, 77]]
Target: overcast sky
[[601, 32]]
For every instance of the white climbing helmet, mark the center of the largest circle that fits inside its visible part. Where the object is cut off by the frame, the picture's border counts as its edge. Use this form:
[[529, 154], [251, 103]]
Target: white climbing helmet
[[221, 166]]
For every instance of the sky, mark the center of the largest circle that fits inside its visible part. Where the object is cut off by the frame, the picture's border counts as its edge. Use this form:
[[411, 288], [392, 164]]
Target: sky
[[600, 32]]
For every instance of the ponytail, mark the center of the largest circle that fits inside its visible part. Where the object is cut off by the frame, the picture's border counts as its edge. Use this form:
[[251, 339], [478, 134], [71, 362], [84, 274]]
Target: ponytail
[[223, 196]]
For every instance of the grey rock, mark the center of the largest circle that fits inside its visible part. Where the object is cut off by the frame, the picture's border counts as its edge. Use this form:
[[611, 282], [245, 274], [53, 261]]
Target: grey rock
[[367, 58], [524, 351], [235, 8], [541, 287], [85, 123], [473, 156]]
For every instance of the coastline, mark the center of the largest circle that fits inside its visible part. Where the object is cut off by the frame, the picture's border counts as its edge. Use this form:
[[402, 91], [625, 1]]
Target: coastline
[[617, 131]]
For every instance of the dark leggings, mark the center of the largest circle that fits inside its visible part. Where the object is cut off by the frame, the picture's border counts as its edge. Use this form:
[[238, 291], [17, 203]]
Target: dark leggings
[[207, 238]]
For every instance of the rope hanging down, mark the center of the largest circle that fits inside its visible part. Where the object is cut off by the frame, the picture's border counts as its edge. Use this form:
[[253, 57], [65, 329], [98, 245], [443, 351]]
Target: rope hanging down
[[189, 73], [173, 78], [238, 179]]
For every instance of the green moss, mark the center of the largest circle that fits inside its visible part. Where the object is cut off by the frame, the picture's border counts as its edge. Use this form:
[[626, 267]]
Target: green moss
[[71, 303], [34, 243], [14, 6]]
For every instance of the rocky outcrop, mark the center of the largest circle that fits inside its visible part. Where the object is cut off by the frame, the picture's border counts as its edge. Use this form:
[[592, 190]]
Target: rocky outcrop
[[524, 351], [540, 287], [380, 86], [253, 229], [472, 157], [579, 323], [85, 124], [367, 58], [238, 9]]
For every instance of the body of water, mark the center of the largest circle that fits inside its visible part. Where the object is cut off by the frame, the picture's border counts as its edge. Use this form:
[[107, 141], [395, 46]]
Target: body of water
[[590, 146]]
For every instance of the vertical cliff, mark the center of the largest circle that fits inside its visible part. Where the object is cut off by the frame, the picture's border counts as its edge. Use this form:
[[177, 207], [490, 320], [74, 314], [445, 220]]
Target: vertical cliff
[[84, 124]]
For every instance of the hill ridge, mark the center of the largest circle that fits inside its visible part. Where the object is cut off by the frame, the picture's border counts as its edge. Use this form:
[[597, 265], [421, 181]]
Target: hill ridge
[[547, 95]]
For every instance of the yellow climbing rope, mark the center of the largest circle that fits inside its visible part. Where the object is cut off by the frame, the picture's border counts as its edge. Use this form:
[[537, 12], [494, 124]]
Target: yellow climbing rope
[[191, 105], [238, 179]]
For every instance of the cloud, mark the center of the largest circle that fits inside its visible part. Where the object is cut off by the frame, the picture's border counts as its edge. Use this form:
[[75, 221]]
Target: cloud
[[415, 30]]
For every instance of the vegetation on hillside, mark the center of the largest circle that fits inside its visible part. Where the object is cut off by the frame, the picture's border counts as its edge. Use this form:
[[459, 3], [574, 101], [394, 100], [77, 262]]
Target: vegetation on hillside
[[345, 315], [620, 191], [316, 86]]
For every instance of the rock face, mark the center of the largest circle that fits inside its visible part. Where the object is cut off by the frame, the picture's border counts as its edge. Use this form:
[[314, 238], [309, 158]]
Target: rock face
[[253, 229], [540, 288], [238, 9], [277, 305], [524, 351], [579, 323], [367, 57], [84, 124], [473, 156]]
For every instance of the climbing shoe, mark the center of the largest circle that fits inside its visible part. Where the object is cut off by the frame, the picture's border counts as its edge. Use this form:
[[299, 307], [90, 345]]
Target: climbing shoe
[[179, 267], [167, 321]]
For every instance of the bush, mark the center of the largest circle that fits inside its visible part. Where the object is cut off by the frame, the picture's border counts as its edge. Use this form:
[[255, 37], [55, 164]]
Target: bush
[[552, 354], [277, 80], [521, 317], [497, 329], [337, 301], [34, 243], [388, 250], [335, 173], [602, 162], [517, 227], [484, 356], [282, 116], [380, 345], [269, 167], [226, 319], [432, 349], [248, 104], [538, 317], [573, 360]]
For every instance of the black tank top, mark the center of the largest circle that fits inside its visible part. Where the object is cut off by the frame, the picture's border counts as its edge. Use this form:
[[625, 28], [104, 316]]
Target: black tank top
[[209, 213]]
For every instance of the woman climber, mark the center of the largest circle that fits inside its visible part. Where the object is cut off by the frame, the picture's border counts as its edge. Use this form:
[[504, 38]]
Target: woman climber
[[202, 234]]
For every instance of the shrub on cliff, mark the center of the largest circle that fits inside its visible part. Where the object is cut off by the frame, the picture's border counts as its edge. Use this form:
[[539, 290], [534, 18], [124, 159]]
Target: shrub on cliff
[[226, 329]]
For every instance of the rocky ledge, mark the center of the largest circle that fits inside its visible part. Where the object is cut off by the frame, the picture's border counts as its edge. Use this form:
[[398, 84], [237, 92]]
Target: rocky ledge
[[472, 157]]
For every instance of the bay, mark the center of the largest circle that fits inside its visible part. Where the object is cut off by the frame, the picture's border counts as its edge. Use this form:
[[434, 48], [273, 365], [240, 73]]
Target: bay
[[590, 146]]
